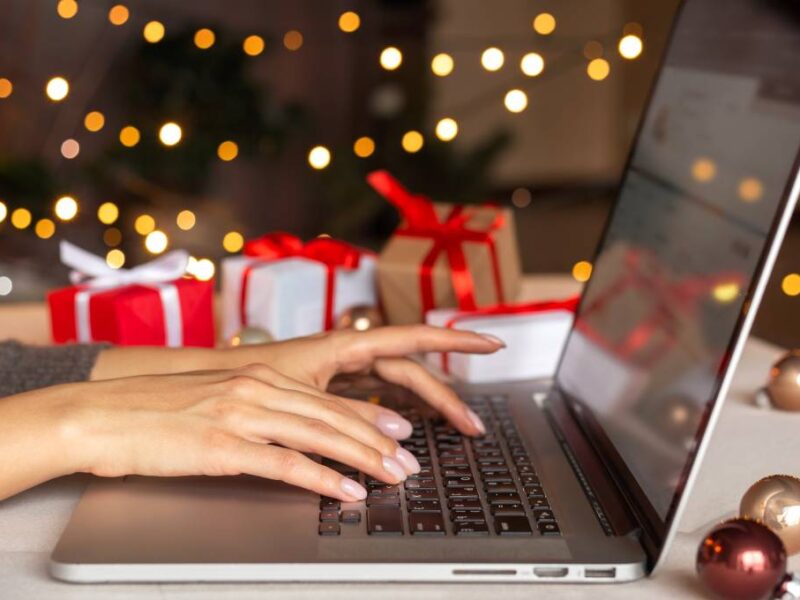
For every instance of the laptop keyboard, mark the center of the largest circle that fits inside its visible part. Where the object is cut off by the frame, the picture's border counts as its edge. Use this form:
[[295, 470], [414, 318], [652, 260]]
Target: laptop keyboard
[[485, 486]]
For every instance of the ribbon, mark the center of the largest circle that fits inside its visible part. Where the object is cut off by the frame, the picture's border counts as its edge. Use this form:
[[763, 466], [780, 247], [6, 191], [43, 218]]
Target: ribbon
[[94, 275], [333, 254], [448, 237]]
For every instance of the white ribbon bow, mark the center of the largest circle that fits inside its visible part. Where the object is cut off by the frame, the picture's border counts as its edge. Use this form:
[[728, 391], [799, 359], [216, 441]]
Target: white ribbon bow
[[94, 273]]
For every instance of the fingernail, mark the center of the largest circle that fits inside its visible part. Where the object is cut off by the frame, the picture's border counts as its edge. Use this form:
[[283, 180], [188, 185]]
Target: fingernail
[[393, 467], [353, 489], [408, 460], [476, 420], [393, 425], [493, 338]]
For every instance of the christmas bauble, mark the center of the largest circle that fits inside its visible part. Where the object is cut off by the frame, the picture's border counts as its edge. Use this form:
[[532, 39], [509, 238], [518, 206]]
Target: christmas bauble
[[360, 318], [775, 501], [248, 336], [741, 559], [783, 389]]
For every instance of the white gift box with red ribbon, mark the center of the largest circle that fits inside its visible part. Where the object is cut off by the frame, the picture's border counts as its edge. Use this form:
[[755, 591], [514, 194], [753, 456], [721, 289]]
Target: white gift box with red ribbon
[[534, 334]]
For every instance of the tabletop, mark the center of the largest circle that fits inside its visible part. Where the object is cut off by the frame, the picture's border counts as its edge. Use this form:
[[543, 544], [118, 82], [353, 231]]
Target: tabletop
[[749, 443]]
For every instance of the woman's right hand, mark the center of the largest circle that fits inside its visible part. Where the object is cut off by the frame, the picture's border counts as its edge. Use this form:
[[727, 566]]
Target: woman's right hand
[[251, 420]]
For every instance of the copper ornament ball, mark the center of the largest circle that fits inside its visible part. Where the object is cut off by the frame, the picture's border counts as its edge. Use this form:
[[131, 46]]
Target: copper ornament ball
[[741, 559], [783, 388], [248, 336], [360, 318], [775, 501]]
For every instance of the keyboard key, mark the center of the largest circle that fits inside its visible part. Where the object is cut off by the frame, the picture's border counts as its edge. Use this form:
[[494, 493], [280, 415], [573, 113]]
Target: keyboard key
[[522, 460], [452, 454], [549, 528], [420, 484], [491, 460], [455, 472], [500, 487], [543, 515], [512, 526], [467, 516], [467, 493], [328, 528], [385, 491], [456, 504], [329, 515], [508, 510], [488, 453], [383, 501], [429, 506], [384, 521], [419, 451], [450, 462], [491, 470], [460, 482], [422, 495], [426, 524], [424, 473], [329, 504], [351, 516], [501, 478], [525, 469], [527, 479], [503, 498], [535, 503], [533, 490]]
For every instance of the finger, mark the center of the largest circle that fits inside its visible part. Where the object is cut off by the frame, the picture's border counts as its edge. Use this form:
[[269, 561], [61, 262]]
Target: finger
[[416, 378], [388, 421]]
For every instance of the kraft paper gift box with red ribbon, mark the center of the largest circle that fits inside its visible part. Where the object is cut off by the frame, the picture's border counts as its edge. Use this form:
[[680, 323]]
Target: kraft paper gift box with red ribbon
[[290, 288], [150, 305], [534, 334], [444, 255]]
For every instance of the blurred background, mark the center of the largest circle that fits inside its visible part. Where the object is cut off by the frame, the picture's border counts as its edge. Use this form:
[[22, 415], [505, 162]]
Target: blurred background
[[132, 128]]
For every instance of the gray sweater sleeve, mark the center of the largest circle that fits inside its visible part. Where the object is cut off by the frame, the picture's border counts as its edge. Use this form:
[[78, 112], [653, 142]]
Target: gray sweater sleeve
[[24, 368]]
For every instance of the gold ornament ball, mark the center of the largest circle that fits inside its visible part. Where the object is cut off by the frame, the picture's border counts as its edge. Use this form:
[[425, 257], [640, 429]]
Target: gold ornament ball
[[783, 389], [248, 336], [360, 318], [775, 501]]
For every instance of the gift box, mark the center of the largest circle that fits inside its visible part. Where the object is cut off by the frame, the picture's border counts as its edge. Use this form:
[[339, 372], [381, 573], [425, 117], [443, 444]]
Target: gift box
[[444, 255], [291, 289], [150, 305], [534, 334]]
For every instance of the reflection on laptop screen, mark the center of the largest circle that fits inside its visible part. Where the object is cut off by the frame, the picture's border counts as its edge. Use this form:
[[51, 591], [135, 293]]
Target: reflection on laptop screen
[[707, 178]]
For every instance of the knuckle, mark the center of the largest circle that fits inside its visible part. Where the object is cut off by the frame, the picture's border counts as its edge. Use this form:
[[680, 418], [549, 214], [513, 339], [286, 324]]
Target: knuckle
[[320, 428], [241, 386]]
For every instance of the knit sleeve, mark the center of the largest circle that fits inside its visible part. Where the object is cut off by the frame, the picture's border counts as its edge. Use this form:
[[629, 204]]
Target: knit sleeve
[[24, 368]]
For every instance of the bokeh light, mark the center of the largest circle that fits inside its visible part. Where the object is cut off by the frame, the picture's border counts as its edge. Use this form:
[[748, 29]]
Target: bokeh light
[[791, 284], [6, 286], [630, 46], [364, 147], [751, 189], [391, 58], [186, 220], [598, 69], [144, 224], [107, 213], [726, 292], [492, 59], [115, 258], [349, 21], [170, 134], [67, 8], [447, 129], [57, 88], [129, 136], [442, 64], [227, 150], [521, 197], [6, 87], [319, 157], [704, 169], [412, 141], [94, 121], [3, 211], [293, 40], [156, 241], [45, 229], [253, 45], [21, 218], [204, 38], [592, 49], [516, 101], [70, 148], [582, 271], [233, 241], [66, 208], [112, 237], [154, 31], [202, 269], [118, 14], [532, 64], [544, 24]]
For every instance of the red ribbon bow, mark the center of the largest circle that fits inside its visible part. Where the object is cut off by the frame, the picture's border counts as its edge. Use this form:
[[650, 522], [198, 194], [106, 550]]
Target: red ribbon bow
[[278, 245], [448, 237]]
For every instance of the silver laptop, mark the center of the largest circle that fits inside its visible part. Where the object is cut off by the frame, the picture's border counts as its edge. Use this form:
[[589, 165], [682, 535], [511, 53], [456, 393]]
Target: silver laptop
[[579, 479]]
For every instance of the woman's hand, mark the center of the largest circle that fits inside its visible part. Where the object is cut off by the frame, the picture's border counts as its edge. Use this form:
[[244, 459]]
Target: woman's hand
[[251, 420]]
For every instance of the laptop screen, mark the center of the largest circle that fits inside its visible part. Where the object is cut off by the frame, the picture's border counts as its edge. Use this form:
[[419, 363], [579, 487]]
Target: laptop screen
[[704, 188]]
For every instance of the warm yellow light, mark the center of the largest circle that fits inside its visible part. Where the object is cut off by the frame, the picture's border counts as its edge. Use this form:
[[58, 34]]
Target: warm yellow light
[[6, 87], [516, 101], [630, 47], [233, 241], [227, 150], [582, 271], [94, 121], [186, 220], [544, 24], [532, 64], [598, 69], [156, 241], [144, 224], [107, 213], [67, 9], [791, 284], [349, 21], [442, 64], [319, 157], [446, 129], [750, 189], [704, 169], [57, 89], [45, 228], [364, 147], [21, 218], [202, 269], [70, 148], [66, 208], [118, 14], [293, 40], [725, 292], [129, 136], [170, 134], [253, 45], [3, 211], [204, 38], [112, 237], [492, 59], [412, 141], [153, 32], [391, 58], [115, 258]]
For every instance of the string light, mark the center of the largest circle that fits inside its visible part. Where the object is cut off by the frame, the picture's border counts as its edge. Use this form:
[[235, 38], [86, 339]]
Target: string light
[[391, 58], [750, 189], [598, 69], [412, 141], [107, 213], [253, 45], [112, 237], [129, 136], [156, 242], [544, 24], [118, 14], [516, 101], [233, 241], [5, 286], [21, 218], [170, 134], [442, 64], [115, 258], [630, 46], [186, 220], [791, 284], [349, 21], [726, 292], [364, 147], [202, 269], [67, 9], [70, 148], [6, 87], [227, 151], [582, 271], [492, 59], [66, 208], [532, 64], [319, 157], [293, 40], [447, 129], [704, 169], [57, 89], [153, 32], [3, 211], [94, 121], [45, 229], [144, 224], [204, 38]]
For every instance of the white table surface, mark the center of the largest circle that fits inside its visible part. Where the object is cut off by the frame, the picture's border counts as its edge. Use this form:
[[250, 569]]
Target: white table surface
[[748, 444]]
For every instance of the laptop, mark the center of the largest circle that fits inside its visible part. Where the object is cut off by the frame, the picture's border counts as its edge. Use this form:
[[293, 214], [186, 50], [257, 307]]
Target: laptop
[[582, 478]]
